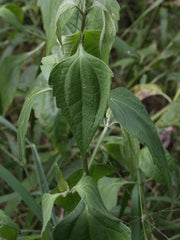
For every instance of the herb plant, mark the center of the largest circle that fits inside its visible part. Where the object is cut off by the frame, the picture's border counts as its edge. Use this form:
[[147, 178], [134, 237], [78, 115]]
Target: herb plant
[[72, 99]]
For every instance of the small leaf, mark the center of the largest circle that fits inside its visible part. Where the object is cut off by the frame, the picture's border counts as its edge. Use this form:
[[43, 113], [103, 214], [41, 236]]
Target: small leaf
[[107, 36], [90, 220], [8, 229], [47, 64], [49, 9], [62, 183], [24, 118], [171, 116], [131, 114], [64, 14], [47, 206], [81, 84]]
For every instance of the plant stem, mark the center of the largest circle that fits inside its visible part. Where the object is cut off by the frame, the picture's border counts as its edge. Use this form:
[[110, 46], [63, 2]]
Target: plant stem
[[85, 165], [158, 114], [83, 22], [99, 141], [141, 203]]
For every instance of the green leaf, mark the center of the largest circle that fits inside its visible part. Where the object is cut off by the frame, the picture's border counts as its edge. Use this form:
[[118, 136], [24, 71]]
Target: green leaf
[[44, 107], [11, 18], [104, 16], [49, 9], [123, 49], [16, 10], [33, 237], [113, 146], [62, 183], [171, 116], [70, 44], [47, 206], [107, 36], [9, 76], [113, 9], [47, 64], [98, 171], [81, 84], [108, 188], [90, 220], [147, 165], [8, 229], [130, 152], [131, 114], [135, 215], [91, 43], [23, 120], [25, 195], [110, 17], [65, 11]]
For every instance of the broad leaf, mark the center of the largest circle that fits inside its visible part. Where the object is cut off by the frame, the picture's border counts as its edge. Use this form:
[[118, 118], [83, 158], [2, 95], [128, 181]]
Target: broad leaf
[[23, 120], [8, 229], [90, 220], [131, 114], [91, 43], [49, 9], [70, 201], [108, 188], [81, 84]]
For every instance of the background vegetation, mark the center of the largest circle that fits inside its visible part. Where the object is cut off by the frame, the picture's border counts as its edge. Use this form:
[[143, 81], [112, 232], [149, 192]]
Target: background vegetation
[[145, 58]]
